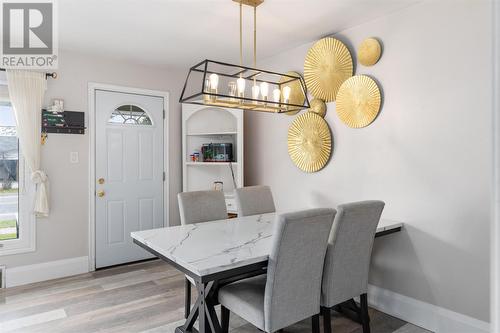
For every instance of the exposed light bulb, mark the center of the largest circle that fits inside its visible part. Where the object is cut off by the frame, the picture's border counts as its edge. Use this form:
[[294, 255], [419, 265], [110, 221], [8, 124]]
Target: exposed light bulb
[[255, 91], [264, 90], [207, 98], [276, 95], [286, 93], [241, 86], [214, 81]]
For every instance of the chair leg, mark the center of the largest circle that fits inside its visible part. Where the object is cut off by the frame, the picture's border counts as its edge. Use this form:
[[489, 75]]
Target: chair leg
[[187, 297], [315, 323], [365, 319], [327, 319], [224, 314]]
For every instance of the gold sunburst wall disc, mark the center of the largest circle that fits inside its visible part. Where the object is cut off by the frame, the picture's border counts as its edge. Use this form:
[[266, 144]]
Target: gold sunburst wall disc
[[327, 65], [318, 107], [358, 101], [297, 95], [369, 52], [309, 142]]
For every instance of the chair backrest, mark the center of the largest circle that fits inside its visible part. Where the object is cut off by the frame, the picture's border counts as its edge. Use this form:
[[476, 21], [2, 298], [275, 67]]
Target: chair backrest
[[201, 206], [347, 261], [295, 267], [253, 200]]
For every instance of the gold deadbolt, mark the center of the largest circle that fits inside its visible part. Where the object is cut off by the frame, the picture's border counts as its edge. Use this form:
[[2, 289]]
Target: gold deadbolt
[[100, 180], [100, 194]]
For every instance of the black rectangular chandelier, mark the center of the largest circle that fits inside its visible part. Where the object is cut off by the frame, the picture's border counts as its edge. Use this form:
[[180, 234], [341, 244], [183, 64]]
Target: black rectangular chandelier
[[214, 83]]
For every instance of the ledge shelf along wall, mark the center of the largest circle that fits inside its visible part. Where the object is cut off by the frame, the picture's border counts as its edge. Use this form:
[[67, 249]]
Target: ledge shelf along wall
[[67, 122], [204, 125]]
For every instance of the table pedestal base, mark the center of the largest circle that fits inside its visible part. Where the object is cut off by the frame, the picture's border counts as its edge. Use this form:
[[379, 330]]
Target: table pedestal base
[[203, 310], [181, 329], [350, 310]]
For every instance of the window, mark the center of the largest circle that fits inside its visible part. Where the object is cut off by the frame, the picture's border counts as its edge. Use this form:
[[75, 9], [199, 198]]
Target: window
[[17, 227], [130, 114], [9, 174]]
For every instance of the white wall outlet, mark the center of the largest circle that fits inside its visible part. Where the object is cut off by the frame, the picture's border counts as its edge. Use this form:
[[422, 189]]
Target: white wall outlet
[[73, 157]]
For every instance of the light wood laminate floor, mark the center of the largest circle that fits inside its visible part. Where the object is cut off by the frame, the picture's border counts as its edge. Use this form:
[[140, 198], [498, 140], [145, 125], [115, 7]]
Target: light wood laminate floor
[[143, 297]]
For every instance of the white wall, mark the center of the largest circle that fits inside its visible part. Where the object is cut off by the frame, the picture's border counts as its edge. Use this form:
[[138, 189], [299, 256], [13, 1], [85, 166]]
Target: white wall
[[428, 154], [65, 233]]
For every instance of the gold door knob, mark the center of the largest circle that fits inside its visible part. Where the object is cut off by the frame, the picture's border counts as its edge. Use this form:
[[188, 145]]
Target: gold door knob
[[100, 180], [100, 194]]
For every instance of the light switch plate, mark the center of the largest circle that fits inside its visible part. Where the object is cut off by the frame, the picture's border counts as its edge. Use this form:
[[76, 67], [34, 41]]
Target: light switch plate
[[73, 157]]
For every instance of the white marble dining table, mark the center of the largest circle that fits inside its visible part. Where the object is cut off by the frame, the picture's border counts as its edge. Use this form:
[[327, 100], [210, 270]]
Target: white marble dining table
[[215, 252]]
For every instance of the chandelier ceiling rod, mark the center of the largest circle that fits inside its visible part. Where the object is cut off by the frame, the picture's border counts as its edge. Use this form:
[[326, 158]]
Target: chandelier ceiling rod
[[241, 33], [254, 34], [255, 37]]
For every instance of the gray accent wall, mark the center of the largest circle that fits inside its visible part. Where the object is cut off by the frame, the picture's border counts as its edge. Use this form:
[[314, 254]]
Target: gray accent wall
[[64, 234], [427, 155]]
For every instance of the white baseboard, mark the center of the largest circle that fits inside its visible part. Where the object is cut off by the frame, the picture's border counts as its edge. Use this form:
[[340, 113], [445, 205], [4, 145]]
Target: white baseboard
[[17, 276], [425, 315]]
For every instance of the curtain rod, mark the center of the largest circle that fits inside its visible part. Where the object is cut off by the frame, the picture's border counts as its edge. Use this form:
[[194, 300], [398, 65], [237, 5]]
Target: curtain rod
[[47, 75]]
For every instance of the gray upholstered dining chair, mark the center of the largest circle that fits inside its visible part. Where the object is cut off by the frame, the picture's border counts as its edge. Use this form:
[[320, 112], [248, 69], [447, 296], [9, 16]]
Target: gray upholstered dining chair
[[197, 207], [290, 292], [253, 200], [201, 206], [347, 261]]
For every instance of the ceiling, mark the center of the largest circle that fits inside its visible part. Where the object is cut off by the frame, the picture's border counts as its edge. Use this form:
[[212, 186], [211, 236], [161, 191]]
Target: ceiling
[[179, 33]]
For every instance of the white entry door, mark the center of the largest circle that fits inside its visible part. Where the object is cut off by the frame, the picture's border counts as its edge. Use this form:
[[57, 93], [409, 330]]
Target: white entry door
[[129, 173]]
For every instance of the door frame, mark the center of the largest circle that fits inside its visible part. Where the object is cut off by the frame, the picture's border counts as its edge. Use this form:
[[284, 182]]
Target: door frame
[[495, 201], [92, 88]]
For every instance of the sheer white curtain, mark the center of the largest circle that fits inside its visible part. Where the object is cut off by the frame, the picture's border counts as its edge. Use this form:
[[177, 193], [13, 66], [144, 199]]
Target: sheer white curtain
[[26, 91]]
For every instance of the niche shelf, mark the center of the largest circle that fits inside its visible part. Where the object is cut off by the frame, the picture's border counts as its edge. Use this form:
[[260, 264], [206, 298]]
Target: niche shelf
[[202, 124]]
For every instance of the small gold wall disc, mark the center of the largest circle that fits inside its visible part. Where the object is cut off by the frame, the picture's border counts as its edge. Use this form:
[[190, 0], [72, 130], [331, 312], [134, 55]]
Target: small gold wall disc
[[318, 107], [309, 142], [358, 101], [327, 65], [369, 52], [297, 96]]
